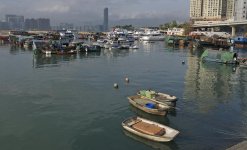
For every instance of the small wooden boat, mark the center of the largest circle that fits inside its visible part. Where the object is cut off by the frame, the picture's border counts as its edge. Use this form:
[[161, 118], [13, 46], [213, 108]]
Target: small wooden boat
[[149, 129], [159, 97], [148, 105]]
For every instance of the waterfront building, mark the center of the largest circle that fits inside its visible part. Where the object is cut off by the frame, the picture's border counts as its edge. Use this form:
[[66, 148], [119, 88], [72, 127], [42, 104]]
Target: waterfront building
[[218, 10], [4, 25], [230, 9], [214, 9], [31, 24], [175, 31], [43, 24], [196, 9], [240, 12], [211, 10], [37, 24], [105, 19], [15, 22]]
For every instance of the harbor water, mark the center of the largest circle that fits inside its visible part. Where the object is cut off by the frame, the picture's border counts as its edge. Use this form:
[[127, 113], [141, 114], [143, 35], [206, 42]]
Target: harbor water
[[69, 102]]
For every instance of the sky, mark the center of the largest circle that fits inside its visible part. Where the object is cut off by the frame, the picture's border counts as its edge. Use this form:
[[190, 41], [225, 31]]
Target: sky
[[81, 12]]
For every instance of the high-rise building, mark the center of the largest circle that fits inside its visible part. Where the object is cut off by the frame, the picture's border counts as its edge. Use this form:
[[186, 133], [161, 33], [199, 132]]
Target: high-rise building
[[3, 25], [196, 9], [31, 24], [240, 12], [105, 19], [208, 9], [15, 22], [37, 24], [214, 9], [44, 24], [230, 9]]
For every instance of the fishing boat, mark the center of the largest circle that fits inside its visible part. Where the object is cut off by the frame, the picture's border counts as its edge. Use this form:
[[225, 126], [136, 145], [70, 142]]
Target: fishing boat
[[149, 129], [159, 97], [148, 105]]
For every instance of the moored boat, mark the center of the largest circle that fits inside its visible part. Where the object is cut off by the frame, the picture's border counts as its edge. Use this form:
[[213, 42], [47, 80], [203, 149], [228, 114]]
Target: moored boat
[[152, 35], [148, 105], [149, 129], [90, 48], [159, 97]]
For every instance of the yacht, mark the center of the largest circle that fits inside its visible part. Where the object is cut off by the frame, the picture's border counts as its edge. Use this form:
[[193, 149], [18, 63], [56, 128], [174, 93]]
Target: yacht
[[152, 35]]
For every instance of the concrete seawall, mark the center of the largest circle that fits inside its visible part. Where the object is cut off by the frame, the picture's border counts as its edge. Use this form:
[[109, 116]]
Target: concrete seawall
[[240, 146]]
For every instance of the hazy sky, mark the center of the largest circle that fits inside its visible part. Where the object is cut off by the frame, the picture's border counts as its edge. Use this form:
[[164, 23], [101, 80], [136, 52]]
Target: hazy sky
[[91, 11]]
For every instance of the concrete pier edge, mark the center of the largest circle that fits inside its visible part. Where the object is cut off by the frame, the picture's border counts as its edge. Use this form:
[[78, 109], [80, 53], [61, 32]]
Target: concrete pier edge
[[239, 146]]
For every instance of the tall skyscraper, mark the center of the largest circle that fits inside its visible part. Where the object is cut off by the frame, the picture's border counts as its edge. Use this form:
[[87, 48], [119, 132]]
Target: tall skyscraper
[[105, 19]]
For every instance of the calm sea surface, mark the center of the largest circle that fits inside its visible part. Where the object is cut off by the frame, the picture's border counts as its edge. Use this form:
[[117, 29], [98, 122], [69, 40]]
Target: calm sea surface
[[69, 103]]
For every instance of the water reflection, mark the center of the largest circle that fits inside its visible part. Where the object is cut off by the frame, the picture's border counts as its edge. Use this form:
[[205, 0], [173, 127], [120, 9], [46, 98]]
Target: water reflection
[[241, 89], [88, 55], [149, 46], [116, 53], [208, 84], [156, 145], [16, 49], [42, 60]]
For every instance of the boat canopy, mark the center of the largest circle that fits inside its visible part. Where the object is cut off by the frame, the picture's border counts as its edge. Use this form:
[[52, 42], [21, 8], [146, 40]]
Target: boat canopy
[[147, 93]]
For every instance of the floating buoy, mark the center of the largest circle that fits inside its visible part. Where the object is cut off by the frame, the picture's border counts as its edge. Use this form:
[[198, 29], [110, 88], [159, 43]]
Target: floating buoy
[[115, 85], [183, 62], [127, 80]]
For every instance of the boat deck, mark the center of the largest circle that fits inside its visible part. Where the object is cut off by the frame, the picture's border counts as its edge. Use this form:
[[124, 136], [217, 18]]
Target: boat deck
[[147, 128]]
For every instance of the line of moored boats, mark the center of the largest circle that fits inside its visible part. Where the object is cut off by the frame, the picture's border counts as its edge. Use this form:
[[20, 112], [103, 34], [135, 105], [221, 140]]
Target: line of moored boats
[[69, 42]]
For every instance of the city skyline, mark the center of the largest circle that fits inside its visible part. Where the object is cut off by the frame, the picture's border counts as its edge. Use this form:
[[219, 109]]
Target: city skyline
[[80, 12]]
